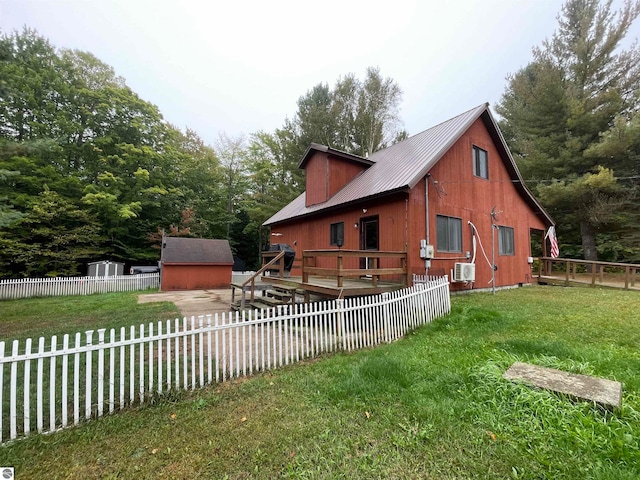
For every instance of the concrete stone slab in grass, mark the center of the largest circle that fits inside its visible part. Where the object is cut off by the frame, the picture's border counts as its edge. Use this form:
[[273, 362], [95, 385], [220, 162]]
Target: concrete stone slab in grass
[[606, 393]]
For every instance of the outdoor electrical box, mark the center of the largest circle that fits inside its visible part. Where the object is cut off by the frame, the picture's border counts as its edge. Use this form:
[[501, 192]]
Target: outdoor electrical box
[[426, 251]]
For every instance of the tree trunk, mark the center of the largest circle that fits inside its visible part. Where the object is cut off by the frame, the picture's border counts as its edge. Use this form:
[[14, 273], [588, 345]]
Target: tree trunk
[[588, 243]]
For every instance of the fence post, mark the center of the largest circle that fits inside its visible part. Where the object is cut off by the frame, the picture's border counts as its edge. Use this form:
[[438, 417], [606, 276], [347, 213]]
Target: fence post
[[422, 303], [386, 317], [101, 371], [340, 322], [88, 372]]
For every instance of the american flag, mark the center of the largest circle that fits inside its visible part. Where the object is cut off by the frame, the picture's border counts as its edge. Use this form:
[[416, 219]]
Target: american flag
[[553, 240]]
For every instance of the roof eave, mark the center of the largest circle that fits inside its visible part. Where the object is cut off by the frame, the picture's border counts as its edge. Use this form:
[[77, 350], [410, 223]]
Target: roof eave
[[339, 206], [512, 167], [446, 146], [316, 147], [212, 264]]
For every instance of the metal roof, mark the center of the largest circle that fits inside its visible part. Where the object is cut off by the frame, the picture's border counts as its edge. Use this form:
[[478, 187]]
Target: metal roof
[[316, 147], [196, 251], [402, 165]]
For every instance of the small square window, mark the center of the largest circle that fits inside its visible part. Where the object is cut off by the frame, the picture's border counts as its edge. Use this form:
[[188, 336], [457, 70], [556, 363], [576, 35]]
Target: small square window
[[449, 233], [337, 234], [480, 163], [505, 241]]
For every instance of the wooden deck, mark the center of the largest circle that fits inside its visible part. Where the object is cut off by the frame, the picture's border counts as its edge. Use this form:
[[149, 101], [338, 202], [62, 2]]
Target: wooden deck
[[570, 272], [327, 286], [327, 273]]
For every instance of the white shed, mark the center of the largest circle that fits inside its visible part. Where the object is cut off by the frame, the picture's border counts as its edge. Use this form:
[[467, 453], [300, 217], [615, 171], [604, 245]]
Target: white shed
[[105, 268]]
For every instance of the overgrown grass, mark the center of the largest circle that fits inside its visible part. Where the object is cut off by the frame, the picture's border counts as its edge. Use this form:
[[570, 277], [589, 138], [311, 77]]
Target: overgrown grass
[[433, 405]]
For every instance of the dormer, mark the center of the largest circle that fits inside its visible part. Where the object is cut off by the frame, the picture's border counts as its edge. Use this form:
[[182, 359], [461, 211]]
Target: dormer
[[328, 170]]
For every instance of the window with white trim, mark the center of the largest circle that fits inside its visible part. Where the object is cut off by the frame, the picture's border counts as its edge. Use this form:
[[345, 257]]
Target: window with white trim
[[506, 241], [449, 234], [480, 162]]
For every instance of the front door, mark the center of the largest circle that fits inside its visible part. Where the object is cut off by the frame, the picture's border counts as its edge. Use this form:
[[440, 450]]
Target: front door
[[369, 238]]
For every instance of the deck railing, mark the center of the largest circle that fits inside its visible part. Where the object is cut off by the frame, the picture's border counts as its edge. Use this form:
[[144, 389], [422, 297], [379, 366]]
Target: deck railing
[[341, 258], [569, 270], [250, 283]]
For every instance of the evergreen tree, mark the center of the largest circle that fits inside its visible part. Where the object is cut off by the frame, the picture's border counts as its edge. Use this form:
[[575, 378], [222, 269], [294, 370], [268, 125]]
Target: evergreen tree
[[560, 107]]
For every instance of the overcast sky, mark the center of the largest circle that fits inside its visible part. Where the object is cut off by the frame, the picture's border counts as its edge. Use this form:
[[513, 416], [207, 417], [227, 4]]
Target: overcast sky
[[239, 66]]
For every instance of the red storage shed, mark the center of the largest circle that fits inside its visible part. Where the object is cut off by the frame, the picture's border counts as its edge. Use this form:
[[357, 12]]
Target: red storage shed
[[195, 264]]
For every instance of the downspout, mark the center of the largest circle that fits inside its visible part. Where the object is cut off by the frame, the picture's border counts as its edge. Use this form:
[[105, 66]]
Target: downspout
[[426, 206]]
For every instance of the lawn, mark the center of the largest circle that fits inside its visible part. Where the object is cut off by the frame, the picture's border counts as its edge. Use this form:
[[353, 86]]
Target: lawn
[[432, 405], [36, 317]]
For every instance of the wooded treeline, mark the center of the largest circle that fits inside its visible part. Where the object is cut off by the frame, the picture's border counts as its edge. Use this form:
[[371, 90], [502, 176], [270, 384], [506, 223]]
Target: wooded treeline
[[88, 170]]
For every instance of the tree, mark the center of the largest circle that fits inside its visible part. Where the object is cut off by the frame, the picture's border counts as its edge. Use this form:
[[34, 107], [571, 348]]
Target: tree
[[198, 175], [273, 181], [356, 116], [231, 152], [55, 238], [377, 122], [559, 107], [29, 99], [8, 214], [71, 128]]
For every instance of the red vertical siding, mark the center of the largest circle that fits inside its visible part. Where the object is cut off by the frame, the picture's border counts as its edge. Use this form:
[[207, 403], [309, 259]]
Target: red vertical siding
[[195, 277], [340, 173], [453, 190], [316, 172], [314, 233], [326, 175]]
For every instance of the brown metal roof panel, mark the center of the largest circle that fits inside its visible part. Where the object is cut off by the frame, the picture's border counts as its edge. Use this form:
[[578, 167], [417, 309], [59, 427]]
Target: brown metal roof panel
[[406, 162], [196, 251], [399, 166]]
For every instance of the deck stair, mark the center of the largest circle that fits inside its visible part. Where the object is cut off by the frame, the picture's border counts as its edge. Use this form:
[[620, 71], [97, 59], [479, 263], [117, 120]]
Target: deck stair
[[272, 295]]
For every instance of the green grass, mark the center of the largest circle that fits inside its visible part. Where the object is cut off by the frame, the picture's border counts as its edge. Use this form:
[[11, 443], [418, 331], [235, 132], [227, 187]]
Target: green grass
[[36, 317], [433, 405]]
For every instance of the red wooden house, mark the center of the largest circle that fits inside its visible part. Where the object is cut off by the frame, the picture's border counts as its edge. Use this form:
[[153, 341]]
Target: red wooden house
[[448, 197]]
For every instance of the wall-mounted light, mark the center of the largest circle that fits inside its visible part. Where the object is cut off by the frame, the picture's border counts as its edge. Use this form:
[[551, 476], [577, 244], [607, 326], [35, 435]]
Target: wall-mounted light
[[276, 234], [355, 225], [364, 210]]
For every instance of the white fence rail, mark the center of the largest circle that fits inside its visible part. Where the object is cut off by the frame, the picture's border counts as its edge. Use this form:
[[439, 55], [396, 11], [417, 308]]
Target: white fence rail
[[55, 286], [87, 377]]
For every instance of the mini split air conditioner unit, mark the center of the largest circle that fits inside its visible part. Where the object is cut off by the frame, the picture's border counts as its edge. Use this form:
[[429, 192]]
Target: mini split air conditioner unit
[[464, 272]]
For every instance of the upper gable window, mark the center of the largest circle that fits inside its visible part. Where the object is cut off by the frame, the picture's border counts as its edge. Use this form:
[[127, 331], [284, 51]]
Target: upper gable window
[[480, 163]]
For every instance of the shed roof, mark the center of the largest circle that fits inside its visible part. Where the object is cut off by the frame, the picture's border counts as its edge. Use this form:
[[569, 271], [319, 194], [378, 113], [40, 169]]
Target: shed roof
[[196, 251], [402, 165]]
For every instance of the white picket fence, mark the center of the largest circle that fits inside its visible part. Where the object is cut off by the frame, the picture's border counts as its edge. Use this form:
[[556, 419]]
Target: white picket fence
[[87, 377], [55, 286]]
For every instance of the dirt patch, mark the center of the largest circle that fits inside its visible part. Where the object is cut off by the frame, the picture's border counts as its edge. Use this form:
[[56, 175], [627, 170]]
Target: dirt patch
[[193, 302]]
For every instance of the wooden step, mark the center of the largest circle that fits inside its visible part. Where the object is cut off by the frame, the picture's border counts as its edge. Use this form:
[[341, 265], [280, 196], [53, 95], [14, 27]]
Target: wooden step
[[272, 302], [284, 297]]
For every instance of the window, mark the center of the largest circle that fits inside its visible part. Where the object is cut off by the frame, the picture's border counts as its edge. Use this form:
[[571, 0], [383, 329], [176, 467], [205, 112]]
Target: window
[[449, 233], [480, 163], [337, 234], [505, 241]]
